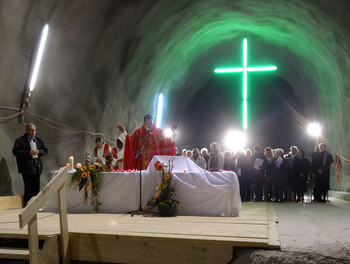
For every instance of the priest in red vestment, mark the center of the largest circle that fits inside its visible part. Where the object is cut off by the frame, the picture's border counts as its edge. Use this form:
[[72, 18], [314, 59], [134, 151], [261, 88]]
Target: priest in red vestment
[[153, 141]]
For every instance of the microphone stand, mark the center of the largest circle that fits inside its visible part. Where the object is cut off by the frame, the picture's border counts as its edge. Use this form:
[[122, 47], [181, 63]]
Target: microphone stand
[[139, 153]]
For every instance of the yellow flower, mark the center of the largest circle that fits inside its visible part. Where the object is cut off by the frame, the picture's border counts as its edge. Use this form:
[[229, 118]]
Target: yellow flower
[[92, 167], [158, 187], [158, 194], [167, 176], [84, 175], [97, 164], [83, 168], [165, 185]]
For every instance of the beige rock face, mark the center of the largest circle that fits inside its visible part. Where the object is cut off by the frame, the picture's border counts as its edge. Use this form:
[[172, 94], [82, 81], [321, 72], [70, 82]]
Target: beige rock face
[[106, 61]]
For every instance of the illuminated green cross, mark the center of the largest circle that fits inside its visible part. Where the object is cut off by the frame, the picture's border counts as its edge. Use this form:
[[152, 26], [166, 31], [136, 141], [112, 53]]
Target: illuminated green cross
[[245, 69]]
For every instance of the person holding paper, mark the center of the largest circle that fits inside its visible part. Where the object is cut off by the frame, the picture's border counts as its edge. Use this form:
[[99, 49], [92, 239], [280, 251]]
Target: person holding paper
[[259, 163], [28, 150], [281, 171]]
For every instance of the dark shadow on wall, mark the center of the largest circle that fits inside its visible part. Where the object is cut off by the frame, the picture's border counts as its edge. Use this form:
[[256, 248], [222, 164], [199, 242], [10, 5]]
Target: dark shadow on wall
[[5, 179]]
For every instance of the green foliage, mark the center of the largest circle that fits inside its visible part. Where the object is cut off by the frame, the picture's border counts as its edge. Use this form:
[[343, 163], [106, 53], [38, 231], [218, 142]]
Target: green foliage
[[89, 179], [165, 189]]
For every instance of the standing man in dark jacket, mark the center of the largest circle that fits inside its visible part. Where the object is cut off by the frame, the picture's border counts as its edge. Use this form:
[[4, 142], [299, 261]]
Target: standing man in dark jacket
[[259, 163], [321, 167], [28, 150], [300, 173]]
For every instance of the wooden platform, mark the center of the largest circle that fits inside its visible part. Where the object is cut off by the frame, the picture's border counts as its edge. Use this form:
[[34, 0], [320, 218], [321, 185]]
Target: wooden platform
[[117, 238]]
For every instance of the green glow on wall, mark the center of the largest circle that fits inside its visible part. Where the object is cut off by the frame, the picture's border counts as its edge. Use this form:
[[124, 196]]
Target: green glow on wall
[[316, 64], [245, 69]]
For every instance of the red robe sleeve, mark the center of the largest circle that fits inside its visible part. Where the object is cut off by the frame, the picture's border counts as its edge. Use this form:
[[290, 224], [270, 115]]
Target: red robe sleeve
[[128, 161]]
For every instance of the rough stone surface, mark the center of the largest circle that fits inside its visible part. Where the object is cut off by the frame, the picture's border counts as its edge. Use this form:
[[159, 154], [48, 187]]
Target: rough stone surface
[[310, 233], [106, 61]]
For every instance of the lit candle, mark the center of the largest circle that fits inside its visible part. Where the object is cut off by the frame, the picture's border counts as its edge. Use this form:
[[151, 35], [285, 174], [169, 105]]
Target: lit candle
[[68, 167], [78, 165], [71, 163]]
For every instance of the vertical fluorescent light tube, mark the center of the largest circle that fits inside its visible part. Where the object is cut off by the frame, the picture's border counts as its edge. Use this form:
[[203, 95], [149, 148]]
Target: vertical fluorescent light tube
[[38, 57], [159, 110]]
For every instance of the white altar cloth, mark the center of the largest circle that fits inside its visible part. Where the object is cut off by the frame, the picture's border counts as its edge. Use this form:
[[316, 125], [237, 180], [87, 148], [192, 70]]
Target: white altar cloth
[[199, 192]]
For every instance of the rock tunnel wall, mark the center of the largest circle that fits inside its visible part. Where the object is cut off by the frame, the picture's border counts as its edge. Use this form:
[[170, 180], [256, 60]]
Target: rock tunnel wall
[[106, 61]]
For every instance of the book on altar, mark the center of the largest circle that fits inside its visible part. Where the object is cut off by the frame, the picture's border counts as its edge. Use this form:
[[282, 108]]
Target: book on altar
[[258, 163]]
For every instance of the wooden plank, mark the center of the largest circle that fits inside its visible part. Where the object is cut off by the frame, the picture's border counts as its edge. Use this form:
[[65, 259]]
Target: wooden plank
[[251, 229], [38, 201], [14, 253], [272, 231], [33, 241], [49, 253], [91, 248], [62, 205], [229, 241], [11, 202], [271, 213]]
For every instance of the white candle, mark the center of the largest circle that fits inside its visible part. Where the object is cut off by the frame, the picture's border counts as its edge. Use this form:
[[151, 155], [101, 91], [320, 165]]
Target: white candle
[[68, 167], [71, 163], [78, 165]]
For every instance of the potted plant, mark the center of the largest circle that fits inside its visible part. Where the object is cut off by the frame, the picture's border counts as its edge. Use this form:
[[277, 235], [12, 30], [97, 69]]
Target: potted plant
[[167, 206]]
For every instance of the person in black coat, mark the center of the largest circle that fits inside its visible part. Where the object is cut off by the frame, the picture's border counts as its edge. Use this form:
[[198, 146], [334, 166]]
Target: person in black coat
[[259, 172], [314, 158], [279, 174], [321, 167], [243, 171], [300, 172], [28, 150]]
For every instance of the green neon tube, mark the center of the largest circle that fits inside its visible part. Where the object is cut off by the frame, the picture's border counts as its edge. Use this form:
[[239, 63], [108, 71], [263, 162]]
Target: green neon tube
[[245, 71]]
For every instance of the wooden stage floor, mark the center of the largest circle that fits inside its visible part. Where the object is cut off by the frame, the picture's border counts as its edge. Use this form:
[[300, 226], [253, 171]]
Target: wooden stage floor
[[120, 238]]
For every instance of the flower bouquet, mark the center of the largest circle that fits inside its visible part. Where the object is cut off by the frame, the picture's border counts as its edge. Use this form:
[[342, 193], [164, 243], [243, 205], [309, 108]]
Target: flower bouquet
[[88, 179], [167, 206]]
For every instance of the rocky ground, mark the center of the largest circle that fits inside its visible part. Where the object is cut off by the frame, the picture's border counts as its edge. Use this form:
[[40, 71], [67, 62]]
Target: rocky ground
[[310, 233]]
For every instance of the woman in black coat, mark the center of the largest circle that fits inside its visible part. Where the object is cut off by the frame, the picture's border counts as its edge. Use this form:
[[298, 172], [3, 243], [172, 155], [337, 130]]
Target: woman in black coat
[[300, 172]]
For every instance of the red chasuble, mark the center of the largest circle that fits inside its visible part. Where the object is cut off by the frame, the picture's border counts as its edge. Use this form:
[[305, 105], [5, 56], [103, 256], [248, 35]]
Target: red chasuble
[[157, 144]]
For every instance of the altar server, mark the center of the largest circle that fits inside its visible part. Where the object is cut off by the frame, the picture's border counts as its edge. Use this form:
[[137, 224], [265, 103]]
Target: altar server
[[118, 152], [101, 150]]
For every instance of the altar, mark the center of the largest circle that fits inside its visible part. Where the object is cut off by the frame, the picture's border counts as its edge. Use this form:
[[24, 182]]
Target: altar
[[200, 192]]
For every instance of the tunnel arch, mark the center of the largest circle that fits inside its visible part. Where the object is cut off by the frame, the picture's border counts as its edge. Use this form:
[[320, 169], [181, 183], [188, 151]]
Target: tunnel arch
[[207, 26], [116, 57]]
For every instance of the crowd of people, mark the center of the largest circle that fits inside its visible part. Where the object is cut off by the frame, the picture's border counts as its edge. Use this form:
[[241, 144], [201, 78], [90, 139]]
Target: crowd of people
[[267, 174], [270, 174]]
